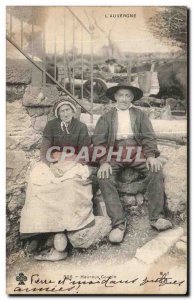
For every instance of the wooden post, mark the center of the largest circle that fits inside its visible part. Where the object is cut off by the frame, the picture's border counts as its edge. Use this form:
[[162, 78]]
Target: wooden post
[[21, 34], [129, 72], [36, 73], [68, 74], [82, 62], [55, 77], [32, 36], [91, 78], [73, 55], [152, 67], [10, 24], [44, 54], [64, 50]]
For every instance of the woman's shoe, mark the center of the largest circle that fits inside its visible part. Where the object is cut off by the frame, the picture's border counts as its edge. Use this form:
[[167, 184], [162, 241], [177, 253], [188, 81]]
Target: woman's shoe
[[53, 255]]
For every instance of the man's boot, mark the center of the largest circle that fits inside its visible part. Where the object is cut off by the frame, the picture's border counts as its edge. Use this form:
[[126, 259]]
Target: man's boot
[[116, 235]]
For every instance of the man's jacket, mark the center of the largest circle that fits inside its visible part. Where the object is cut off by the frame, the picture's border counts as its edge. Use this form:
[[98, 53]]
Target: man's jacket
[[107, 125]]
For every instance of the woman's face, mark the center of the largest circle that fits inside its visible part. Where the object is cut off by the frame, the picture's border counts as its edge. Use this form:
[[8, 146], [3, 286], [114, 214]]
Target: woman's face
[[66, 113]]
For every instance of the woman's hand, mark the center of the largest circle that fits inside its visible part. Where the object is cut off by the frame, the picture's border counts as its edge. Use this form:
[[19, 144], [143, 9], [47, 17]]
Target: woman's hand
[[104, 171], [153, 164], [57, 172]]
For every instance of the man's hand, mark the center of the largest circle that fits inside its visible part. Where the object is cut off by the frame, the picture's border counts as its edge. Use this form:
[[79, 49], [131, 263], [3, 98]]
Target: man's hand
[[153, 164], [104, 171]]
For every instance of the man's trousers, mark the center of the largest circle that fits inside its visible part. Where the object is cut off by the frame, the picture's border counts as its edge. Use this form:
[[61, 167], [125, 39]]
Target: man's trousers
[[154, 192]]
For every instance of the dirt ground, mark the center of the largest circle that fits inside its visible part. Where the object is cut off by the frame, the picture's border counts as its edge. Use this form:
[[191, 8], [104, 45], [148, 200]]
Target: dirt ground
[[139, 232], [104, 257]]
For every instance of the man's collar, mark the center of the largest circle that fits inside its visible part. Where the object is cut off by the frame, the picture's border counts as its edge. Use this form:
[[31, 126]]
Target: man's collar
[[123, 109]]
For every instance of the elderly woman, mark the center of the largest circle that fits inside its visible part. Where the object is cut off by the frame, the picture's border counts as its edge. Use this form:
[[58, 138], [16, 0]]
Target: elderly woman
[[59, 196]]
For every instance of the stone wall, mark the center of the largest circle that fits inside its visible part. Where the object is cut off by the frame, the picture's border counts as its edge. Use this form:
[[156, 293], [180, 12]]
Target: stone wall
[[28, 108]]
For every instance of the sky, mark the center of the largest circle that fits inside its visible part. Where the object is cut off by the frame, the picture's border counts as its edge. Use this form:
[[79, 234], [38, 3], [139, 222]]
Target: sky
[[127, 34]]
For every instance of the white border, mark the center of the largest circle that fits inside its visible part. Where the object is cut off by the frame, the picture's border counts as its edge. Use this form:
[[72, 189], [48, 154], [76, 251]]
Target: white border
[[3, 5]]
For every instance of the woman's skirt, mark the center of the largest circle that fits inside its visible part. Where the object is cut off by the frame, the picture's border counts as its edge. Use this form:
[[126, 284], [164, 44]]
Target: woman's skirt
[[56, 204]]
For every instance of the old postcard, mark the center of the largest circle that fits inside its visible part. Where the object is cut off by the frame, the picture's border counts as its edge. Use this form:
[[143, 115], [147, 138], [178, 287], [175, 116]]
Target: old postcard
[[96, 110]]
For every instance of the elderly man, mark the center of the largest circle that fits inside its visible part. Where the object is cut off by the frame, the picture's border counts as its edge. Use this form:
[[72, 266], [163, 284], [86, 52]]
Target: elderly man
[[127, 129]]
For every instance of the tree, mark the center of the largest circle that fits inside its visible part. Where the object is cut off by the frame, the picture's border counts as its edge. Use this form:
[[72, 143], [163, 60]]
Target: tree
[[170, 24]]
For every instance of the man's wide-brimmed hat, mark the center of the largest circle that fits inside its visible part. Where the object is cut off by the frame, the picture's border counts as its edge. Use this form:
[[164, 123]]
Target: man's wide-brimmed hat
[[110, 92], [67, 101]]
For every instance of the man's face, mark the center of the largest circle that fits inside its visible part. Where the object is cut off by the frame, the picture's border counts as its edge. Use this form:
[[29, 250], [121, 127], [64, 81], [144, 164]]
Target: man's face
[[123, 98], [66, 113]]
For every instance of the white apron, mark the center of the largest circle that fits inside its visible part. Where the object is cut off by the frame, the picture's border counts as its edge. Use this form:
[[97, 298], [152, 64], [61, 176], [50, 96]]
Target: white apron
[[57, 204]]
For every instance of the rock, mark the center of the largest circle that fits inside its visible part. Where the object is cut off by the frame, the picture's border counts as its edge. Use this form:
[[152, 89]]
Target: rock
[[37, 96], [40, 123], [86, 237], [175, 205], [16, 160], [18, 71], [182, 216], [144, 212], [16, 203], [16, 169], [139, 198], [158, 246], [8, 225], [17, 118], [33, 122], [11, 143], [171, 102], [30, 140], [20, 134], [38, 111], [175, 175], [14, 92], [128, 200], [174, 130], [162, 224], [181, 247], [165, 113], [184, 239], [12, 240], [134, 211]]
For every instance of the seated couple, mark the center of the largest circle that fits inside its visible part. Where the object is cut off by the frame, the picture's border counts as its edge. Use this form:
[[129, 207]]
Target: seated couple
[[59, 191]]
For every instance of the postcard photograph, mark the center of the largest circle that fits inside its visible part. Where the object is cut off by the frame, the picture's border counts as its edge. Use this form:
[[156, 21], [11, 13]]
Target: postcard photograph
[[96, 150]]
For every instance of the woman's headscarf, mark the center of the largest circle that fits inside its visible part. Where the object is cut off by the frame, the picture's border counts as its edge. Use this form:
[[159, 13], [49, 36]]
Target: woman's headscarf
[[66, 101]]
